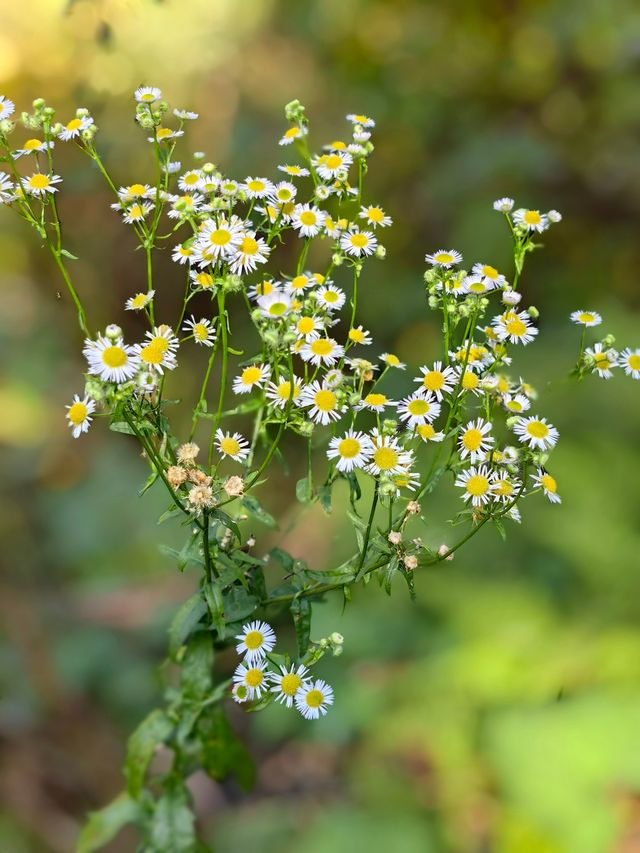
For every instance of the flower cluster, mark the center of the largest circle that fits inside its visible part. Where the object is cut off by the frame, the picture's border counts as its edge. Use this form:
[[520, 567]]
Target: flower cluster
[[289, 683], [602, 358]]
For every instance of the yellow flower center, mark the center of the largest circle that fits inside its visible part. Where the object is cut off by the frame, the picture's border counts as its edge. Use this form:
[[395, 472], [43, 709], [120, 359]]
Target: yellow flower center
[[77, 413], [160, 343], [321, 346], [306, 325], [31, 145], [356, 335], [251, 375], [264, 288], [151, 354], [163, 132], [634, 362], [549, 483], [220, 237], [532, 217], [375, 399], [472, 439], [349, 448], [253, 640], [325, 400], [516, 327], [477, 485], [489, 272], [392, 359], [292, 133], [299, 282], [289, 684], [418, 407], [469, 380], [359, 240], [74, 124], [231, 447], [602, 362], [434, 380], [38, 181], [139, 301], [333, 161], [254, 678], [277, 309], [283, 194], [136, 189], [135, 211], [331, 296], [514, 406], [284, 390], [255, 186], [537, 429], [375, 214], [191, 178], [200, 332], [443, 258], [114, 357], [314, 698], [308, 217], [248, 246], [586, 317], [385, 458], [426, 431], [204, 279], [503, 488]]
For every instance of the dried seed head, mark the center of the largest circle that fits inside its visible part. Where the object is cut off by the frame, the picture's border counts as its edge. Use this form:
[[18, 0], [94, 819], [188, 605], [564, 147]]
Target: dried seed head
[[176, 476]]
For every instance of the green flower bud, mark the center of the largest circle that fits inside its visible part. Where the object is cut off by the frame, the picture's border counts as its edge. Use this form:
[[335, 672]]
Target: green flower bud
[[381, 252], [533, 312], [38, 104]]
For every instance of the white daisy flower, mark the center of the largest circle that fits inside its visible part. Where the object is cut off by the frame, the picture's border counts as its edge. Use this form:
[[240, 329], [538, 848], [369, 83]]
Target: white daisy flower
[[235, 446], [288, 682], [307, 219], [134, 191], [503, 205], [185, 115], [358, 243], [536, 432], [476, 483], [294, 171], [79, 414], [375, 402], [543, 480], [220, 239], [183, 206], [387, 456], [137, 212], [474, 440], [375, 216], [275, 305], [352, 450], [40, 184], [249, 252], [139, 301], [329, 165], [321, 351], [239, 693], [603, 360], [6, 189], [427, 432], [289, 136], [586, 318], [163, 338], [283, 192], [516, 403], [191, 180], [358, 335], [32, 146], [280, 394], [489, 273], [505, 487], [322, 403], [470, 381], [155, 355], [331, 298], [392, 360], [313, 699], [112, 361], [309, 327], [257, 187], [438, 380], [299, 283], [256, 640], [362, 120], [263, 288], [147, 94], [515, 327], [164, 134], [419, 408], [406, 480], [629, 359], [75, 127], [476, 285], [531, 220], [202, 279], [444, 258], [251, 377], [7, 108], [202, 331], [253, 677], [335, 227]]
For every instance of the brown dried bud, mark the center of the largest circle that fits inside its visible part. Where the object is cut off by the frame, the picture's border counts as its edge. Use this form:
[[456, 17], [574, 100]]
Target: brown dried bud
[[176, 476]]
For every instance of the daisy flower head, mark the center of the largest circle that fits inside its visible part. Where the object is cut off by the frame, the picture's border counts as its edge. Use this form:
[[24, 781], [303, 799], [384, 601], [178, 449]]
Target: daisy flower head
[[299, 283], [147, 94], [256, 640], [476, 285], [240, 693], [543, 480], [629, 359], [139, 301], [313, 699], [358, 243], [515, 327], [202, 331], [419, 408], [234, 446], [387, 455], [74, 128], [164, 134], [221, 239], [79, 414], [155, 355], [249, 252], [437, 379], [603, 360], [322, 403], [489, 274], [427, 432], [476, 483], [309, 327], [474, 440], [163, 337], [137, 212], [504, 487], [358, 335], [352, 450], [7, 108], [253, 376], [445, 258], [516, 403], [307, 219], [112, 361], [294, 171], [133, 191], [536, 432], [586, 318], [375, 216], [322, 351], [530, 220], [263, 288], [392, 360], [331, 298], [275, 305], [191, 180], [405, 480], [293, 133], [40, 184], [32, 146], [362, 120], [503, 205], [257, 187], [6, 189], [254, 677], [376, 402], [288, 682], [328, 166], [202, 279], [280, 394]]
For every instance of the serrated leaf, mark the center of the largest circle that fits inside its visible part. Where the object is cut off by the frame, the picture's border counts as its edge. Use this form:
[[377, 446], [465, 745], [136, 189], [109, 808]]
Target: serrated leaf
[[185, 620], [152, 731], [254, 508], [103, 825], [229, 522]]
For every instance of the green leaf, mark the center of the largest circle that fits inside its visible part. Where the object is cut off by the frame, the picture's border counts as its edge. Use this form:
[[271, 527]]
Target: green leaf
[[355, 493], [255, 509], [65, 253], [388, 574], [173, 822], [213, 597], [121, 426], [239, 604], [221, 751], [197, 666], [103, 825], [227, 521], [174, 512], [304, 491], [285, 559], [301, 612], [324, 497], [185, 620], [152, 731]]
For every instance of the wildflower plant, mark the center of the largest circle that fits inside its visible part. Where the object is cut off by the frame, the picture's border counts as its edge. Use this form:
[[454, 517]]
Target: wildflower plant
[[463, 417]]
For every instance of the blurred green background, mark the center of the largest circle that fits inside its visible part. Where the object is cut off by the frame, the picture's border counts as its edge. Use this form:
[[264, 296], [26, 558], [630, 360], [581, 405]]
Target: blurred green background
[[501, 711]]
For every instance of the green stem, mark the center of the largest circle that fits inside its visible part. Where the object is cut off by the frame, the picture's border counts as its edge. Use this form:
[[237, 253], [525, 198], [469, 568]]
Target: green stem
[[367, 534], [223, 335]]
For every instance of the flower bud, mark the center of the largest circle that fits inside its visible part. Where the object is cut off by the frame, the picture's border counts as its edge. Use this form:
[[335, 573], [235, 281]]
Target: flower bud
[[394, 537], [608, 341], [444, 549], [554, 216], [413, 507], [533, 312], [337, 259], [38, 104], [381, 252], [410, 562], [511, 297], [113, 331]]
